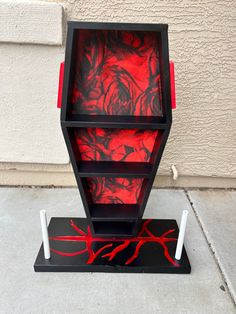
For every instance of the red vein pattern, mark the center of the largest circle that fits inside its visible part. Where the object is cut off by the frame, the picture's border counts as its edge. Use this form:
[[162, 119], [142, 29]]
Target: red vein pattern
[[117, 73], [115, 144], [140, 239], [105, 190]]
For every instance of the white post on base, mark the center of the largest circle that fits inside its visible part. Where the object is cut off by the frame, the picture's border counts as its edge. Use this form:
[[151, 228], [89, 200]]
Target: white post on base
[[44, 227], [180, 241]]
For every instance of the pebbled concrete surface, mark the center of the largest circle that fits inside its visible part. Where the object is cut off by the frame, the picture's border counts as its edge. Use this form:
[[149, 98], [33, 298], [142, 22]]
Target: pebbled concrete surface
[[23, 291], [217, 213]]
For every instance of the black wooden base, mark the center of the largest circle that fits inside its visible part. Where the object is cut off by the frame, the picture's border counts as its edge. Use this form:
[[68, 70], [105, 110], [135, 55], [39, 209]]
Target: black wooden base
[[73, 249]]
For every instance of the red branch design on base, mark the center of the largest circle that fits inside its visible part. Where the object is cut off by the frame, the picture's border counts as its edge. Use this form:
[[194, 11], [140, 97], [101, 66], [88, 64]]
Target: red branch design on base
[[88, 239]]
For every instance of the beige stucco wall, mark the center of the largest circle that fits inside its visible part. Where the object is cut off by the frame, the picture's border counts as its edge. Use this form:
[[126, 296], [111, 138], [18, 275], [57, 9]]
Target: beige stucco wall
[[202, 41]]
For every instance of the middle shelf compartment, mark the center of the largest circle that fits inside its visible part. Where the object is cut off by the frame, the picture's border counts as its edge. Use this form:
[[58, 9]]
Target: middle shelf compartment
[[114, 152]]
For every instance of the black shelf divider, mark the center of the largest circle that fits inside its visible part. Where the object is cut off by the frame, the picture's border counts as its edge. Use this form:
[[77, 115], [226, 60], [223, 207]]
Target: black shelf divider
[[114, 169], [113, 212], [121, 122]]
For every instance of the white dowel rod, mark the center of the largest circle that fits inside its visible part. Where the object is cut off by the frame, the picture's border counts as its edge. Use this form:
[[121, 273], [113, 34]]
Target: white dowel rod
[[180, 241], [44, 227], [175, 172]]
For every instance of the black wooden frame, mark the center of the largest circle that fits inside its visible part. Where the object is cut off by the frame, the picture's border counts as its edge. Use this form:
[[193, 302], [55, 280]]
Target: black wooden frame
[[98, 215]]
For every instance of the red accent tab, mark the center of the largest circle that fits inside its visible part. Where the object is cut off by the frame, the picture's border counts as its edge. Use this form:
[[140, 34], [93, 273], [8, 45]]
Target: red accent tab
[[60, 85], [172, 85]]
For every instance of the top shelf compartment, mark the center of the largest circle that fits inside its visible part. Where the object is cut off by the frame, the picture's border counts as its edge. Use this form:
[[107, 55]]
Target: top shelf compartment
[[116, 75]]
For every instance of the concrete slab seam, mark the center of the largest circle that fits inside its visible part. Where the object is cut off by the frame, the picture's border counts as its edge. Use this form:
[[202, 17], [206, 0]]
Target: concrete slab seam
[[214, 253]]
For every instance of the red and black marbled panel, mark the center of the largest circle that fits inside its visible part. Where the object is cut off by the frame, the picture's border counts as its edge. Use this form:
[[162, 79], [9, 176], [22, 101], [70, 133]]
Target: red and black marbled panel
[[115, 144], [117, 73], [114, 190]]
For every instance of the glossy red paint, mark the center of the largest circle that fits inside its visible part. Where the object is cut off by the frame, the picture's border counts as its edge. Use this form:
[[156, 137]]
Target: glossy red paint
[[60, 84], [115, 144], [117, 73], [172, 85], [105, 190], [141, 239]]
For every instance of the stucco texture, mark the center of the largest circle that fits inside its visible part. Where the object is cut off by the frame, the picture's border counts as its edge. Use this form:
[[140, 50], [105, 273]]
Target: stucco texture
[[30, 53], [202, 42], [29, 121]]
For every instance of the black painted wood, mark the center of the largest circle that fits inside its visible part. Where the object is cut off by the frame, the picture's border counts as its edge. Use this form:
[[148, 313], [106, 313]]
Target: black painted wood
[[116, 228], [151, 257], [114, 169], [113, 212], [84, 169], [117, 122]]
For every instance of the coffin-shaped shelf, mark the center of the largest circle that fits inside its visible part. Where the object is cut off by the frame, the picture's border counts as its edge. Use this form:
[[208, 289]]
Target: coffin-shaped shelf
[[116, 117], [114, 169], [114, 212], [126, 122]]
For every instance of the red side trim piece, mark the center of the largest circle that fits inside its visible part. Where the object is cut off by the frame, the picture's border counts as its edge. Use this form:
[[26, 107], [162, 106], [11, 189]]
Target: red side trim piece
[[61, 77], [172, 85]]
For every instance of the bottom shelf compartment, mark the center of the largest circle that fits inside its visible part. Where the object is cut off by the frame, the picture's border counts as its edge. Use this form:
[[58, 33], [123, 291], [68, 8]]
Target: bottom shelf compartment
[[114, 211], [114, 228]]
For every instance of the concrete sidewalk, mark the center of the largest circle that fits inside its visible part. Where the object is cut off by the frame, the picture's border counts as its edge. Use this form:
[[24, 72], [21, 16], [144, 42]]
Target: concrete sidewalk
[[211, 228]]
